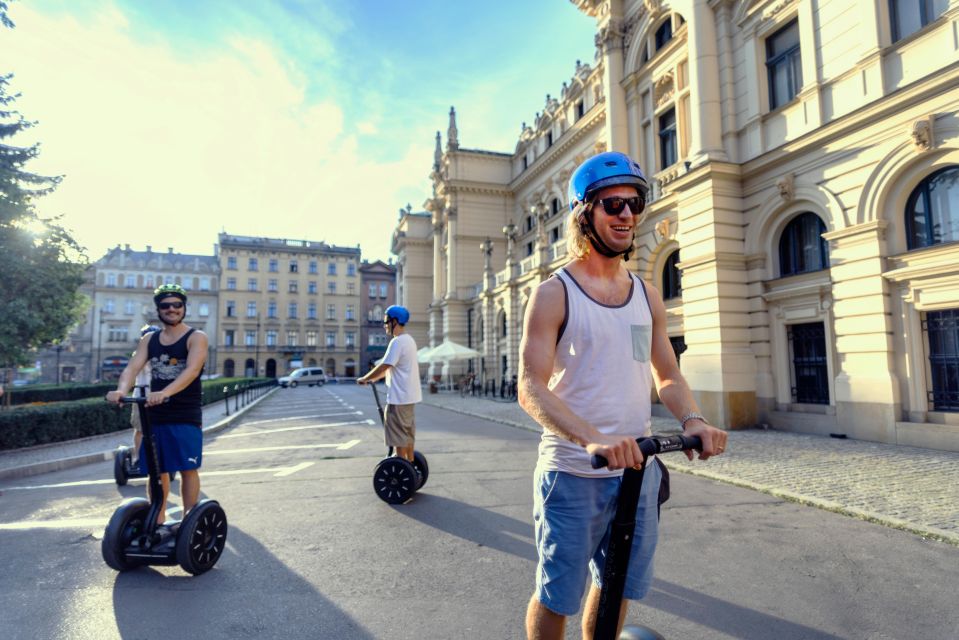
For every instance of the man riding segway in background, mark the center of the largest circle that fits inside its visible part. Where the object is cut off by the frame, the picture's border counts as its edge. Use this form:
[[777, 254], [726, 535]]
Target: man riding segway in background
[[401, 369]]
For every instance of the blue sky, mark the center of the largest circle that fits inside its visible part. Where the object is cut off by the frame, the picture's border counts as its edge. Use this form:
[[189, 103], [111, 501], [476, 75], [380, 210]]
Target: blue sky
[[175, 120]]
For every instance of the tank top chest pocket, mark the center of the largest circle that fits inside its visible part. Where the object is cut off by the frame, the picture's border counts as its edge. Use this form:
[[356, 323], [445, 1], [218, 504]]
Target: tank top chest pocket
[[642, 335]]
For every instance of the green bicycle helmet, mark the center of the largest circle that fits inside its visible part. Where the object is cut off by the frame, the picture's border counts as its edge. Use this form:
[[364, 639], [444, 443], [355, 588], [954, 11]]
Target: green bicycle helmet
[[167, 290]]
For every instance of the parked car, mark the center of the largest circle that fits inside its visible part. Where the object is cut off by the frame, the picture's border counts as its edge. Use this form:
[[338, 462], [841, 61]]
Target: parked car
[[307, 375]]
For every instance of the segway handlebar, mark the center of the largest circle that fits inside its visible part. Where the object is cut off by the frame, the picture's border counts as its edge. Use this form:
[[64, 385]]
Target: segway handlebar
[[657, 444], [136, 400]]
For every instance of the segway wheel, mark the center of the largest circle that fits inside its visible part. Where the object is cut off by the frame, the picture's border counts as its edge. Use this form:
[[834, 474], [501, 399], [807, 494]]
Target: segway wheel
[[119, 466], [638, 632], [126, 524], [394, 480], [419, 462], [202, 537]]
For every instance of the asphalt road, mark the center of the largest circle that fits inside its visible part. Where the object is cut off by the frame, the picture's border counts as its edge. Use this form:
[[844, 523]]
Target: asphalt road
[[312, 553]]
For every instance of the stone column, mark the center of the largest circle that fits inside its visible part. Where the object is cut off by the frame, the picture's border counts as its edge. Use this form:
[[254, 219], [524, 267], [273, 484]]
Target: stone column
[[719, 364], [609, 42], [705, 141], [867, 389], [451, 254]]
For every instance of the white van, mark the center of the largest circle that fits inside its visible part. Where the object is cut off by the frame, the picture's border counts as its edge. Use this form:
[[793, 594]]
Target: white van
[[307, 375]]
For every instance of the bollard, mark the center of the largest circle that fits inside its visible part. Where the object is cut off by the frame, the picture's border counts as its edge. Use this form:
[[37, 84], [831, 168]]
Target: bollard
[[236, 391], [226, 399]]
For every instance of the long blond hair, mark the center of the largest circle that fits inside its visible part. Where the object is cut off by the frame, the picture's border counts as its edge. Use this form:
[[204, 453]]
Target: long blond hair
[[577, 244]]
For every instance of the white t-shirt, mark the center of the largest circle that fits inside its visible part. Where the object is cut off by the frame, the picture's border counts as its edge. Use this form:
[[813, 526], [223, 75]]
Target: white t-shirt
[[403, 376]]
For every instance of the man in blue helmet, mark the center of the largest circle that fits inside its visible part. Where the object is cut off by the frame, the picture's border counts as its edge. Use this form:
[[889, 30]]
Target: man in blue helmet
[[400, 368], [594, 345]]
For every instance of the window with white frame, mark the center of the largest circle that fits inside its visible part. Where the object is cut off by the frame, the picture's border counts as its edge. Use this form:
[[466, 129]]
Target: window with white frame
[[271, 336], [907, 18], [330, 339]]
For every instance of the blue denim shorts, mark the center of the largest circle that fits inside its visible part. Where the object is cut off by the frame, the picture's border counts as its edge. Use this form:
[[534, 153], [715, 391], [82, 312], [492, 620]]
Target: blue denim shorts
[[180, 447], [572, 517]]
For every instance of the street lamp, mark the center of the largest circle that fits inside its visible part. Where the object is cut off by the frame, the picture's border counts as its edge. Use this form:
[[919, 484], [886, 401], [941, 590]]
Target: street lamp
[[256, 342], [100, 312]]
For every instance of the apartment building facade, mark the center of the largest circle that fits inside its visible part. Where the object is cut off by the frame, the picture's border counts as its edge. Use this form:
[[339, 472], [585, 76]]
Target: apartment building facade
[[377, 292], [120, 290], [286, 304], [802, 222]]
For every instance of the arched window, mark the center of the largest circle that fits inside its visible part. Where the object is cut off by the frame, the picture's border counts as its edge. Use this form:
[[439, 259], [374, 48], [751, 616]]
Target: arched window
[[802, 247], [672, 278], [932, 211]]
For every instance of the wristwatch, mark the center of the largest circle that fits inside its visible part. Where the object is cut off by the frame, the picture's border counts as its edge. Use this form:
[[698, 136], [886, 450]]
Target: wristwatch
[[691, 416]]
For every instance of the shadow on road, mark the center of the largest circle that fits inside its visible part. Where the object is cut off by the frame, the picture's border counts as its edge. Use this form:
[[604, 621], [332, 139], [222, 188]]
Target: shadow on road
[[476, 524], [724, 616], [249, 594]]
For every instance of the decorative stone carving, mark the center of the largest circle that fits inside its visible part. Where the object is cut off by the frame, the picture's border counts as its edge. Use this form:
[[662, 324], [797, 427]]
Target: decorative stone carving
[[663, 88], [923, 134], [599, 147], [663, 229], [610, 36], [787, 187]]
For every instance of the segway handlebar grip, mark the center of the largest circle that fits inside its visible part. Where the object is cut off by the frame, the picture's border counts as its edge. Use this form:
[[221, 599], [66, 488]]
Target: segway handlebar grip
[[136, 400], [657, 444]]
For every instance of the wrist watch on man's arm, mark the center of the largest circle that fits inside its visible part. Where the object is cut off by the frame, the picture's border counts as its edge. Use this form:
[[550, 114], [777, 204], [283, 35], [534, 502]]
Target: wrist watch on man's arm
[[691, 416]]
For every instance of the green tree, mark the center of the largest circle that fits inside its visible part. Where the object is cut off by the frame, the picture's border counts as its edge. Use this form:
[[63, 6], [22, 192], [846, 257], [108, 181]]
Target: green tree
[[41, 266]]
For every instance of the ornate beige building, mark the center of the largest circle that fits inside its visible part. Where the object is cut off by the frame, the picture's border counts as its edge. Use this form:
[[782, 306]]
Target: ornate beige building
[[286, 304], [803, 218]]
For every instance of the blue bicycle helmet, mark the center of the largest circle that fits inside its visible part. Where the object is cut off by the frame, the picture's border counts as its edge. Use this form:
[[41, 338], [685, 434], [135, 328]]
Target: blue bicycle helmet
[[605, 170], [148, 328], [398, 313]]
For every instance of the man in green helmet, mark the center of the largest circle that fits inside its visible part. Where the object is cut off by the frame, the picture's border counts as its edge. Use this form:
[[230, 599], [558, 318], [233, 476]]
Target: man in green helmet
[[176, 355]]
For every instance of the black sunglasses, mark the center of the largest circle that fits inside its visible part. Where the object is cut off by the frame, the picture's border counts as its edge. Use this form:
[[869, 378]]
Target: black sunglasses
[[615, 205], [169, 305]]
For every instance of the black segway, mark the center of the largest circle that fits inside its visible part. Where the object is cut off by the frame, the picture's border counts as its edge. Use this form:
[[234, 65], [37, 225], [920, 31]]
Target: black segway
[[133, 538], [395, 479], [621, 538], [123, 466]]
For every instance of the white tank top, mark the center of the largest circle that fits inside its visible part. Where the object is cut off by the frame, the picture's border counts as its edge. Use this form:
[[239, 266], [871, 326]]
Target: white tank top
[[601, 371]]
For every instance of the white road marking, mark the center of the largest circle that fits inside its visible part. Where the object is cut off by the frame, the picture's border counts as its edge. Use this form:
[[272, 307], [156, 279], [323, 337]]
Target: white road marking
[[206, 474], [300, 428], [312, 416], [291, 470], [97, 524], [340, 446]]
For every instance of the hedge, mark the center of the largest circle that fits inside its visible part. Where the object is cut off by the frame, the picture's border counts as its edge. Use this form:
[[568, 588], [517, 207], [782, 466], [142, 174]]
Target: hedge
[[54, 393], [29, 425]]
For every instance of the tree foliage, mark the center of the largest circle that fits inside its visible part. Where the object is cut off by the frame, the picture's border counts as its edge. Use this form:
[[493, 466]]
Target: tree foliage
[[41, 266]]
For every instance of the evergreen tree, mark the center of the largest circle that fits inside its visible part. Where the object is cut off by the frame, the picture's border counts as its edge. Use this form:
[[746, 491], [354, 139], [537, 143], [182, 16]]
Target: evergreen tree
[[41, 266]]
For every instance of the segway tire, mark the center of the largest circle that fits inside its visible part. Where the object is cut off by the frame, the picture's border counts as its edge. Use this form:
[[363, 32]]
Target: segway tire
[[119, 466], [394, 480], [419, 462], [126, 523], [202, 537]]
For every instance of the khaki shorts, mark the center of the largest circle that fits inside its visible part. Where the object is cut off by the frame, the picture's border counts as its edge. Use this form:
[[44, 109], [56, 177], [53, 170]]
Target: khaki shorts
[[400, 425], [135, 419]]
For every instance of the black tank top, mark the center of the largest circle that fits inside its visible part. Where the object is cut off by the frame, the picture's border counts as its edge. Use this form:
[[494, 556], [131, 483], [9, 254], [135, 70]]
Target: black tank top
[[166, 363]]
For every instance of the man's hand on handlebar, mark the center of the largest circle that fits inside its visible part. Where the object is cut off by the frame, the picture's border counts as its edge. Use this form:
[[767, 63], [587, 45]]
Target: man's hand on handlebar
[[714, 440], [156, 397], [115, 397], [621, 452]]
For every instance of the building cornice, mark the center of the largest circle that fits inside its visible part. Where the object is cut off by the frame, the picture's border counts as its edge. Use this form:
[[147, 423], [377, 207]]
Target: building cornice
[[591, 120]]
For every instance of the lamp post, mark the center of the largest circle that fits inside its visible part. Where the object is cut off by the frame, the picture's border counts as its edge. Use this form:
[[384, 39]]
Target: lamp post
[[100, 322], [59, 348], [256, 343]]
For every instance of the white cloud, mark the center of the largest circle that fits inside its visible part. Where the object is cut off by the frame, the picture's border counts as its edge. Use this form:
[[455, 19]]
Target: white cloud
[[164, 147]]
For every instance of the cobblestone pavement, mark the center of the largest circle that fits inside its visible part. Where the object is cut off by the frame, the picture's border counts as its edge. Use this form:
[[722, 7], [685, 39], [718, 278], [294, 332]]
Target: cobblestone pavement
[[907, 488]]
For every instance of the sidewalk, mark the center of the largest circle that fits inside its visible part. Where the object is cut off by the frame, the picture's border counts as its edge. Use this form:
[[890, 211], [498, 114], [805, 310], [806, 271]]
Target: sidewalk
[[31, 461], [908, 488]]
